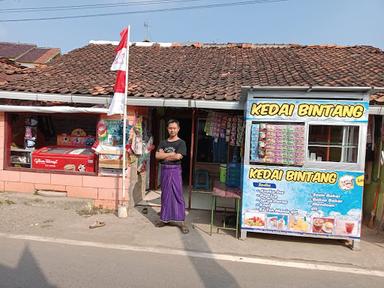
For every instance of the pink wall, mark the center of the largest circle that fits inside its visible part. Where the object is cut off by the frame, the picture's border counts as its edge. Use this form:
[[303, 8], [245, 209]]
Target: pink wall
[[105, 190]]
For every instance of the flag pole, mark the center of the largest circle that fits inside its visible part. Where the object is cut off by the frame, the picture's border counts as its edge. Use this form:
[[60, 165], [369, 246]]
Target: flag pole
[[125, 117]]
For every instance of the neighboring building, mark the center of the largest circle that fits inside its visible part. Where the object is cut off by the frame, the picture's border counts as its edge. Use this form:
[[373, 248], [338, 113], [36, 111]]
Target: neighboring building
[[169, 80], [28, 55]]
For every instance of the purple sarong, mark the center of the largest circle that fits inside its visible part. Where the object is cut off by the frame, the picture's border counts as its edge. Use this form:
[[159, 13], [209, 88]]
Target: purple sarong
[[172, 198]]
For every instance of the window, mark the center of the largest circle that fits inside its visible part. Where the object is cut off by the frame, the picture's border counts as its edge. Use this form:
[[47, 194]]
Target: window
[[327, 143]]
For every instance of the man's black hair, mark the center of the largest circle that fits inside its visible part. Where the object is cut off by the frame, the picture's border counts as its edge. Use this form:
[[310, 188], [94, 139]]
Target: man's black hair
[[170, 121]]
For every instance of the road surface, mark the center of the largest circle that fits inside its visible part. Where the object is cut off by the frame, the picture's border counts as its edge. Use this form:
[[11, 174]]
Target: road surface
[[48, 263]]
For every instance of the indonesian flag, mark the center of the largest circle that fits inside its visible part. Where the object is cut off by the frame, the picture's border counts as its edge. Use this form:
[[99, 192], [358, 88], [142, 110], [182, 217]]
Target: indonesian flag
[[120, 64]]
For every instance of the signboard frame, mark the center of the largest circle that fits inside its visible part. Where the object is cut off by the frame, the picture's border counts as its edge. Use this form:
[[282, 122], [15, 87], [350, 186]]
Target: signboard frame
[[291, 116]]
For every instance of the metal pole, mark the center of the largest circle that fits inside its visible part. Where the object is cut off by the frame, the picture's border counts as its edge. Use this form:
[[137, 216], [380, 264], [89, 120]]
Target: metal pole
[[125, 116], [191, 157]]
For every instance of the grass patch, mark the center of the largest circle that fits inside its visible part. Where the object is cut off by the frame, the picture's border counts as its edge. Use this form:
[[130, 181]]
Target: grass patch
[[90, 210], [7, 202]]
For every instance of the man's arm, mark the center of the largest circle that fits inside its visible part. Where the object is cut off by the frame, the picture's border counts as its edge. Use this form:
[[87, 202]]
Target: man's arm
[[161, 155], [178, 155], [174, 156], [170, 156]]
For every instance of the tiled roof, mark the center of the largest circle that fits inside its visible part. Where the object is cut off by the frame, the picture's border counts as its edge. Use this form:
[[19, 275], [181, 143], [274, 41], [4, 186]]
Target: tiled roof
[[9, 71], [51, 54], [214, 71], [378, 98], [14, 50], [39, 55], [27, 53]]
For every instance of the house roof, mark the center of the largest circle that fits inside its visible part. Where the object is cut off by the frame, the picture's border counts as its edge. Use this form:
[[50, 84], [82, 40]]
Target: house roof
[[14, 50], [27, 53], [9, 70], [39, 55], [210, 72]]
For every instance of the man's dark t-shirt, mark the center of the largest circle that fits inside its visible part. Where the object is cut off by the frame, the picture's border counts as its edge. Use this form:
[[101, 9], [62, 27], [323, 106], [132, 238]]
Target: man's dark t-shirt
[[177, 146]]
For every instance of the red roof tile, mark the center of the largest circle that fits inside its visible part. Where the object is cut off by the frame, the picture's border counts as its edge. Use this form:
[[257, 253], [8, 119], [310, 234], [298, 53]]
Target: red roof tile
[[39, 55], [14, 50], [49, 55], [208, 71], [9, 70]]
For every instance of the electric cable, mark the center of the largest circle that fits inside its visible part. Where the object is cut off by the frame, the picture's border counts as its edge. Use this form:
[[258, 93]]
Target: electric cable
[[207, 6]]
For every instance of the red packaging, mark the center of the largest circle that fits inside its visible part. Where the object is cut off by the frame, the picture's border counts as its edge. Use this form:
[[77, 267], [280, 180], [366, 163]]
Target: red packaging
[[64, 158]]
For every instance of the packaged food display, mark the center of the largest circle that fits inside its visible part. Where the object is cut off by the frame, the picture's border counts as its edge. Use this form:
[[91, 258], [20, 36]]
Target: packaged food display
[[277, 143]]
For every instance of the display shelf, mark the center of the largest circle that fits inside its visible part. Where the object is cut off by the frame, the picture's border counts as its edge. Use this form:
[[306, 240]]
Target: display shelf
[[111, 165], [15, 149], [20, 163], [18, 153], [110, 152], [110, 172]]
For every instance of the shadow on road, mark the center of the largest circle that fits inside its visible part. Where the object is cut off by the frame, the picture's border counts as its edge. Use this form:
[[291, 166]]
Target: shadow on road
[[211, 273], [27, 273]]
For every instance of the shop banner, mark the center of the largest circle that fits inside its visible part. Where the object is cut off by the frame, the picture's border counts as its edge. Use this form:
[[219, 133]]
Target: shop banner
[[304, 110], [304, 202]]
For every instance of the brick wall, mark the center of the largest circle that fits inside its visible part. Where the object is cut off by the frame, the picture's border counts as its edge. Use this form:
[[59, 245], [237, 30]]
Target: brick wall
[[105, 190]]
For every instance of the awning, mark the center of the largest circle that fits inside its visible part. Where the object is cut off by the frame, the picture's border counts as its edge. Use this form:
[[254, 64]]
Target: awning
[[52, 109]]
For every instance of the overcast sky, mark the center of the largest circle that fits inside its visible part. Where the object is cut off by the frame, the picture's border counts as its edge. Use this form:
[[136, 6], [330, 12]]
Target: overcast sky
[[342, 22]]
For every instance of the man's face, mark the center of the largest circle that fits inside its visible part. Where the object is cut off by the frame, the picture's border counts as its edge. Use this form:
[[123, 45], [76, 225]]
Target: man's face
[[173, 129]]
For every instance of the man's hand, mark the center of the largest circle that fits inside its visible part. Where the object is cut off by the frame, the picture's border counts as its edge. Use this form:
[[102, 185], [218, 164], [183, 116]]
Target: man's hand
[[161, 155], [172, 156]]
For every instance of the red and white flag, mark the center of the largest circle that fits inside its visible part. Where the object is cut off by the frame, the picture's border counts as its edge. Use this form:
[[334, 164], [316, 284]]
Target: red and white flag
[[120, 64]]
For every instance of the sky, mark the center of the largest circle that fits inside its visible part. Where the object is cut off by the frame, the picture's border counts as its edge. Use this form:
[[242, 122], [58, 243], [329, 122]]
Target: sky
[[305, 22]]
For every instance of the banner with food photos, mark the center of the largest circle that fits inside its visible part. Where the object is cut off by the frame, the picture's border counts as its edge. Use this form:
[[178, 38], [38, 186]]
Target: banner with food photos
[[298, 201]]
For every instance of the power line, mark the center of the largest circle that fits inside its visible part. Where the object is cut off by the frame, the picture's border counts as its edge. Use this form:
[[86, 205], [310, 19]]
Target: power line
[[90, 6], [207, 6]]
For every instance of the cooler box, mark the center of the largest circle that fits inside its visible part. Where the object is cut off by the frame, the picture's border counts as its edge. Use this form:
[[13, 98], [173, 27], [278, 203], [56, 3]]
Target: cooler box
[[64, 158], [233, 175]]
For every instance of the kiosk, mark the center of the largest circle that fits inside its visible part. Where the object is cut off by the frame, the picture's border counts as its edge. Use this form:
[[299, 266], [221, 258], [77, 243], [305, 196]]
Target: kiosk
[[304, 157]]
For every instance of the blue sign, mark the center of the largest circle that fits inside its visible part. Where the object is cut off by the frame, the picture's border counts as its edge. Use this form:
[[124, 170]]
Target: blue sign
[[298, 201]]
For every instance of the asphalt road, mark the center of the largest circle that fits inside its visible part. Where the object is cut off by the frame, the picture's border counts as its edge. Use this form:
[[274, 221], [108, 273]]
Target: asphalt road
[[34, 264]]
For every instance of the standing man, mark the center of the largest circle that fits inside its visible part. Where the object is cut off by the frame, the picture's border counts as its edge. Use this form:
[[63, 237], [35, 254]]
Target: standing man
[[170, 152]]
